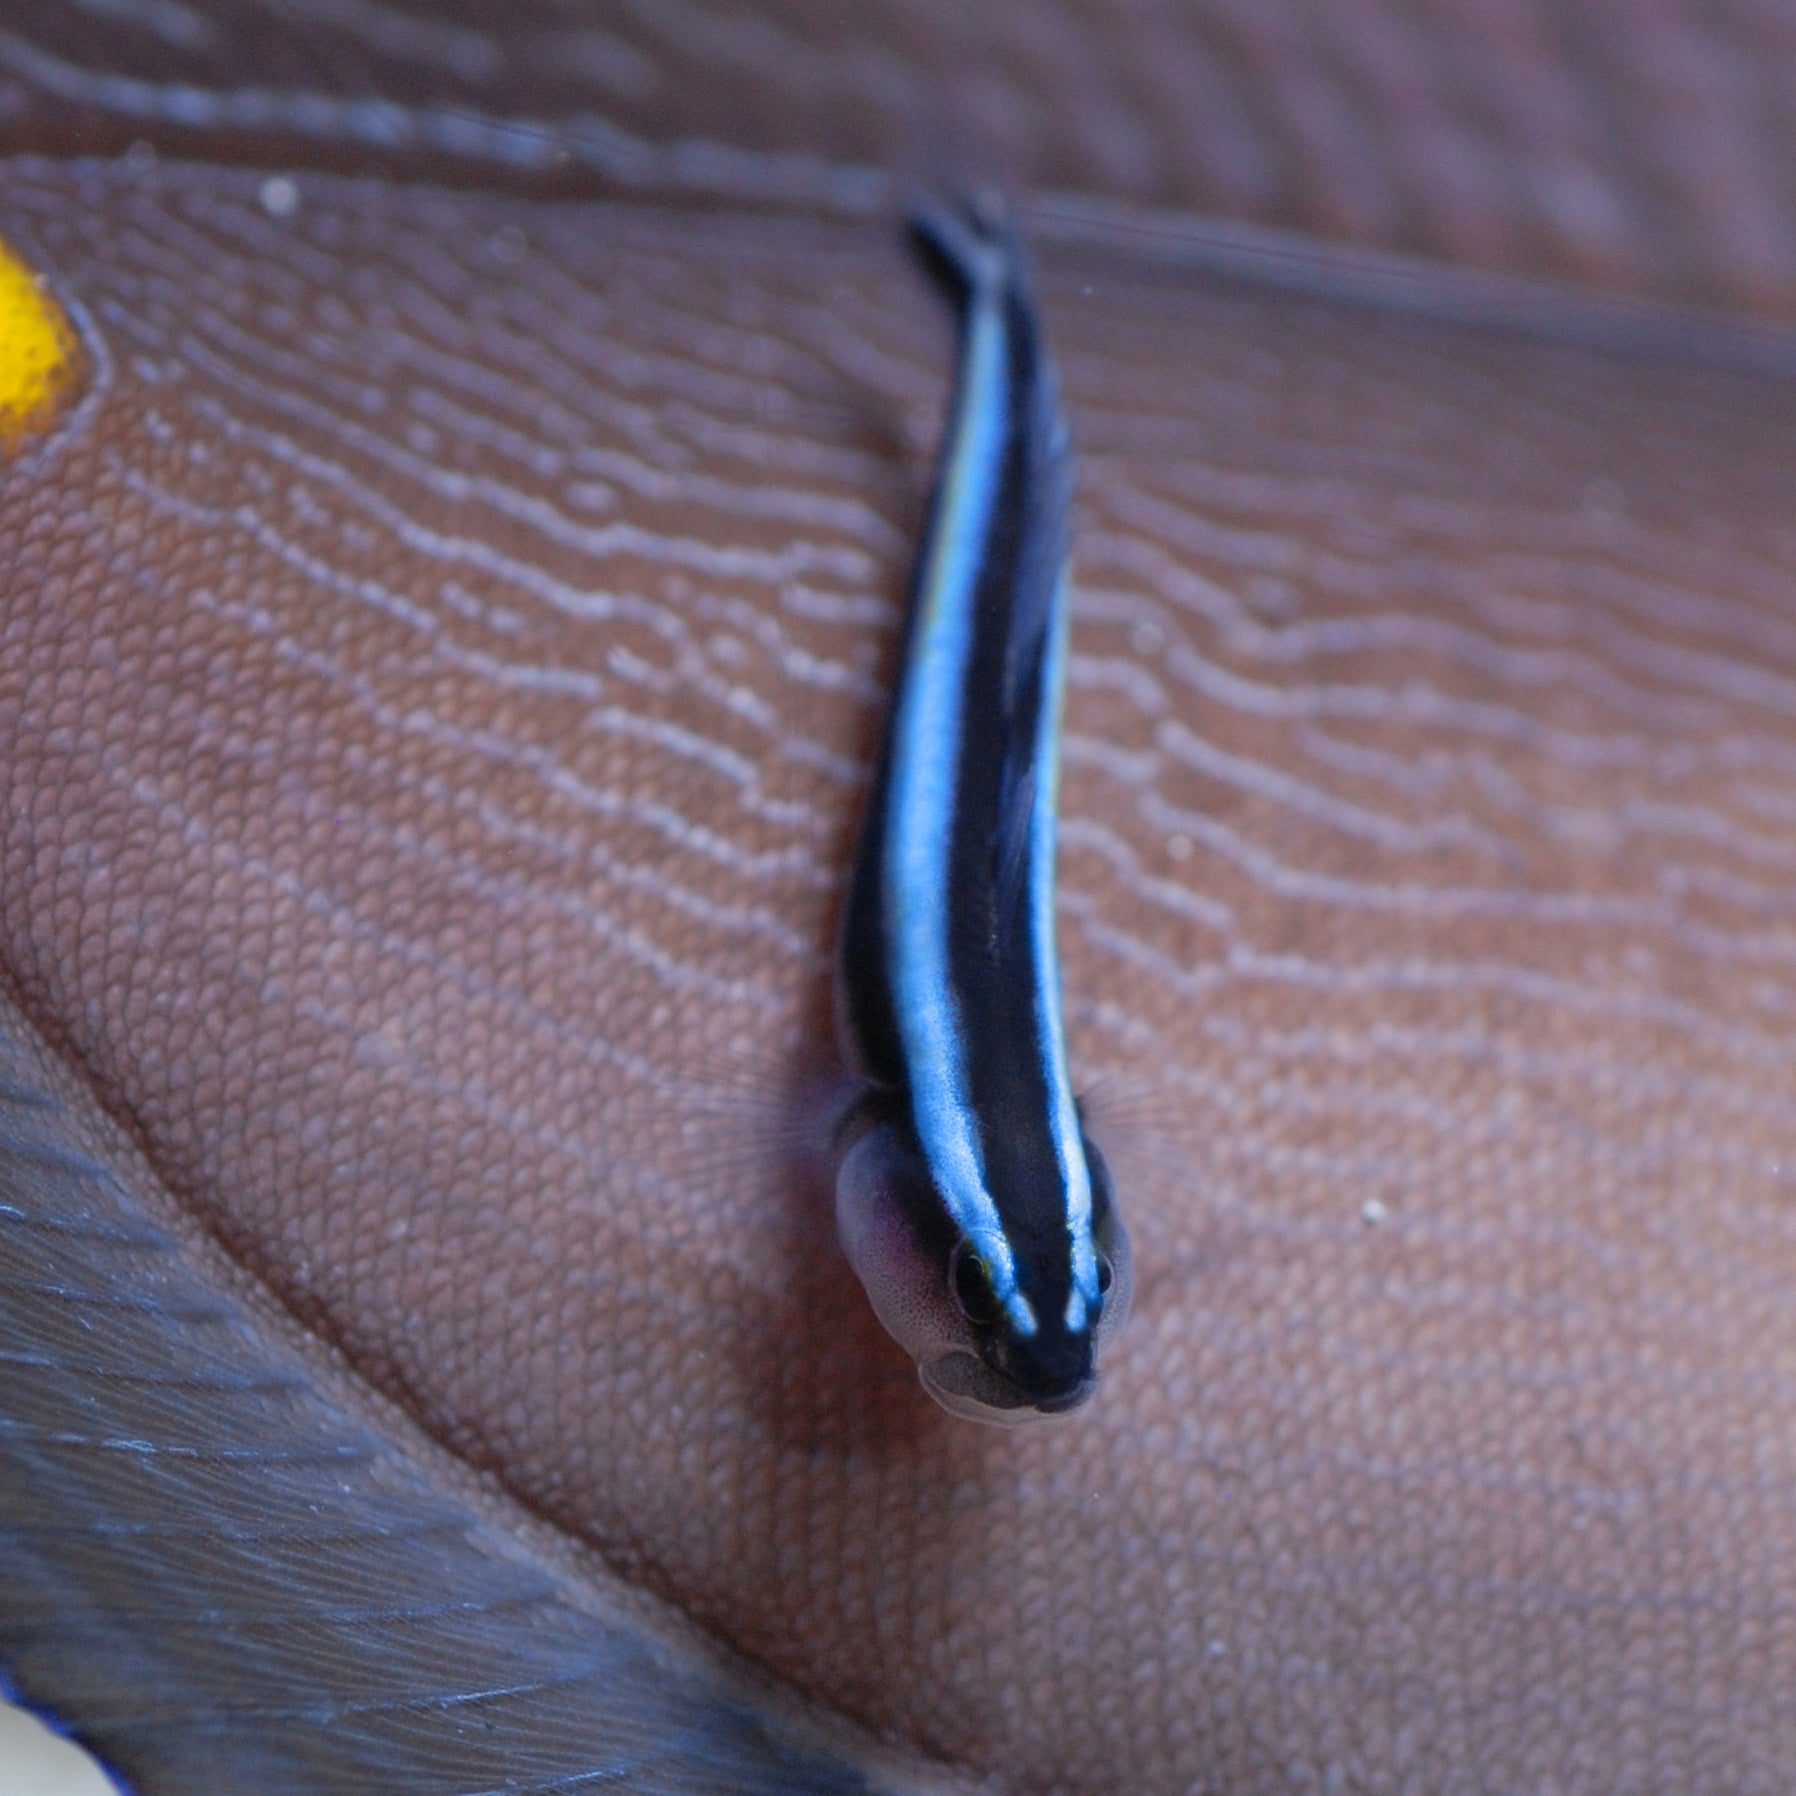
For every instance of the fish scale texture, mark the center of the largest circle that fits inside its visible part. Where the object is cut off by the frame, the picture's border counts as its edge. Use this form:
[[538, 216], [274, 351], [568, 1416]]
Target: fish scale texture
[[442, 652]]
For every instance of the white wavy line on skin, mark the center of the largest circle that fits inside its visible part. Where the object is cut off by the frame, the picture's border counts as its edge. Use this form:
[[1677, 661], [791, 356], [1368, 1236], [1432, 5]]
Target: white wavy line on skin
[[628, 943], [1419, 633], [194, 271], [1241, 965], [1083, 834], [154, 326], [1664, 913], [1641, 1082], [863, 336], [1461, 1123], [1414, 703], [1192, 597], [749, 498], [738, 768], [178, 26], [585, 475], [739, 920], [802, 458], [348, 1020], [799, 665], [242, 519], [730, 765], [602, 375], [1269, 874], [1427, 774], [458, 798], [1776, 804], [664, 820], [1693, 608], [471, 608], [1419, 703], [1408, 525], [867, 614], [1417, 700], [1363, 574], [474, 365], [1126, 766], [555, 776], [1266, 499], [714, 364], [846, 771], [599, 543], [1112, 673], [1275, 548], [1607, 827], [665, 620], [1745, 948], [660, 619], [548, 521], [1679, 665], [1633, 1089], [1420, 776], [1448, 830], [578, 293], [1478, 592]]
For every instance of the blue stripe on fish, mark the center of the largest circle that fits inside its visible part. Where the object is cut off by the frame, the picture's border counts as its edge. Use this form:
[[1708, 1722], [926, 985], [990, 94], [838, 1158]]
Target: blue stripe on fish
[[949, 985]]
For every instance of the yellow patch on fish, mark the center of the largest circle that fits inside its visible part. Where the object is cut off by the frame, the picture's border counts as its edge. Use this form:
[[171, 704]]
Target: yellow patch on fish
[[39, 355]]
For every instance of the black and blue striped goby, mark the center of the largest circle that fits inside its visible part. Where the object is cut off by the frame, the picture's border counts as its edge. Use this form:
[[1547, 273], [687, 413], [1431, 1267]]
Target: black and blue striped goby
[[970, 1202]]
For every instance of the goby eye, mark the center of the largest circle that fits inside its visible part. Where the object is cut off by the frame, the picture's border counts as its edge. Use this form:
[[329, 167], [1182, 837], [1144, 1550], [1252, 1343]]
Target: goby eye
[[972, 1285], [1106, 1274]]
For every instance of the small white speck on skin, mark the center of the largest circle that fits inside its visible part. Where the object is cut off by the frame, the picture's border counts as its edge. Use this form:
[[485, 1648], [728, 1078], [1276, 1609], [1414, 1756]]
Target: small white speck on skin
[[1373, 1211], [279, 196], [1179, 847]]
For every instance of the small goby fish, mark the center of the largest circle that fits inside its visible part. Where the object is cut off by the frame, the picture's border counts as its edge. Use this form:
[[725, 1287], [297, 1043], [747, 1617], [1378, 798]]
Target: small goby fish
[[969, 1200]]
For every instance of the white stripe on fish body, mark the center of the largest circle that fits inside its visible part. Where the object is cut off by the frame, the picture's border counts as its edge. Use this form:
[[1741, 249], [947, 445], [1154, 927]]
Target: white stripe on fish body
[[965, 1188], [1069, 1144], [929, 733]]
